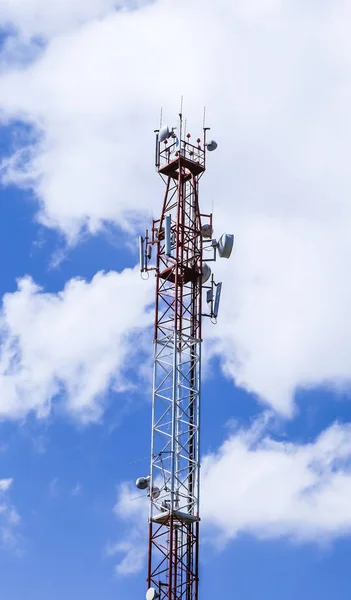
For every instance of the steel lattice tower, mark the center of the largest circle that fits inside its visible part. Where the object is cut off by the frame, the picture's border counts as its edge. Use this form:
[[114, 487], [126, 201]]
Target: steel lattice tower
[[178, 240]]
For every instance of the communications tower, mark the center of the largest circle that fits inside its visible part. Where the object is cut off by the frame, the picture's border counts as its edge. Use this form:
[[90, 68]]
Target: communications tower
[[178, 248]]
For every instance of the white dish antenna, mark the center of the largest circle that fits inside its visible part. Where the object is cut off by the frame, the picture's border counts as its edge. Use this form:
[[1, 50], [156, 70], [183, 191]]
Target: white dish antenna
[[165, 133], [212, 145], [155, 493], [142, 483], [152, 594], [206, 230], [206, 272], [225, 245]]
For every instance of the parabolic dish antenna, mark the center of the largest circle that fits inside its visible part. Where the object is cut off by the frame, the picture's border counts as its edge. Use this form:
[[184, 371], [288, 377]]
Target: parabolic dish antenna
[[164, 133], [142, 483], [225, 245], [151, 594], [212, 145], [206, 230], [206, 272], [155, 493]]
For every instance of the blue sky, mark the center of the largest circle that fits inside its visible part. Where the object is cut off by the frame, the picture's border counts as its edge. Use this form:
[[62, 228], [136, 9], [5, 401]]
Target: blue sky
[[81, 86]]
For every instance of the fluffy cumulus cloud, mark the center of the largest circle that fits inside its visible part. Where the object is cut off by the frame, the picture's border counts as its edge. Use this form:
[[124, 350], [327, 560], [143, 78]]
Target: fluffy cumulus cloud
[[275, 76], [72, 345], [37, 18], [268, 488], [258, 485]]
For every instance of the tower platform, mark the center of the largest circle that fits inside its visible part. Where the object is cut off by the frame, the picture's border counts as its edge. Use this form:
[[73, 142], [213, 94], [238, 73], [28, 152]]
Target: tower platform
[[171, 169]]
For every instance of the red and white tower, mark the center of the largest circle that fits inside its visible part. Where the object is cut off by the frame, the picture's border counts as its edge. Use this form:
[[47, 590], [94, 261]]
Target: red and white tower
[[184, 283]]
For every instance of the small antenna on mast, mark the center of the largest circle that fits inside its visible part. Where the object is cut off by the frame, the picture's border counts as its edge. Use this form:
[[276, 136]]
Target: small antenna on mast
[[204, 120], [161, 115], [181, 119]]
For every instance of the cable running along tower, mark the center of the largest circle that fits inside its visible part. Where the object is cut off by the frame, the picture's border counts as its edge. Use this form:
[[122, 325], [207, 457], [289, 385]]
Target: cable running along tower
[[185, 292]]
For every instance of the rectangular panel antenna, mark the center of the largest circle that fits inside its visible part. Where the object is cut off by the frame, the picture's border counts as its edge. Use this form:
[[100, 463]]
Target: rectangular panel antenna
[[209, 296], [168, 245], [157, 152], [142, 253], [217, 299]]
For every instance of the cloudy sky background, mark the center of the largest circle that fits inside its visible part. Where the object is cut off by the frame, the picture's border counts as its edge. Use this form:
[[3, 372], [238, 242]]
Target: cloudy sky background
[[81, 85]]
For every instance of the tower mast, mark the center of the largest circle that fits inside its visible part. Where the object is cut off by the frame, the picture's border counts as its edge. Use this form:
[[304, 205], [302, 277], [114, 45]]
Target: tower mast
[[178, 239]]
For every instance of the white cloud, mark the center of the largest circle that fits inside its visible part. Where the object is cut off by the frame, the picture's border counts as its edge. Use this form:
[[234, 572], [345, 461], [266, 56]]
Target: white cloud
[[275, 76], [5, 484], [271, 489], [131, 509], [132, 549], [257, 485], [73, 345], [38, 17], [9, 519], [287, 303]]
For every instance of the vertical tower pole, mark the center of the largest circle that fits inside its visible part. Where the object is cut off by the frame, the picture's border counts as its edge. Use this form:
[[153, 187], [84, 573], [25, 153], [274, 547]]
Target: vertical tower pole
[[178, 238], [174, 478]]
